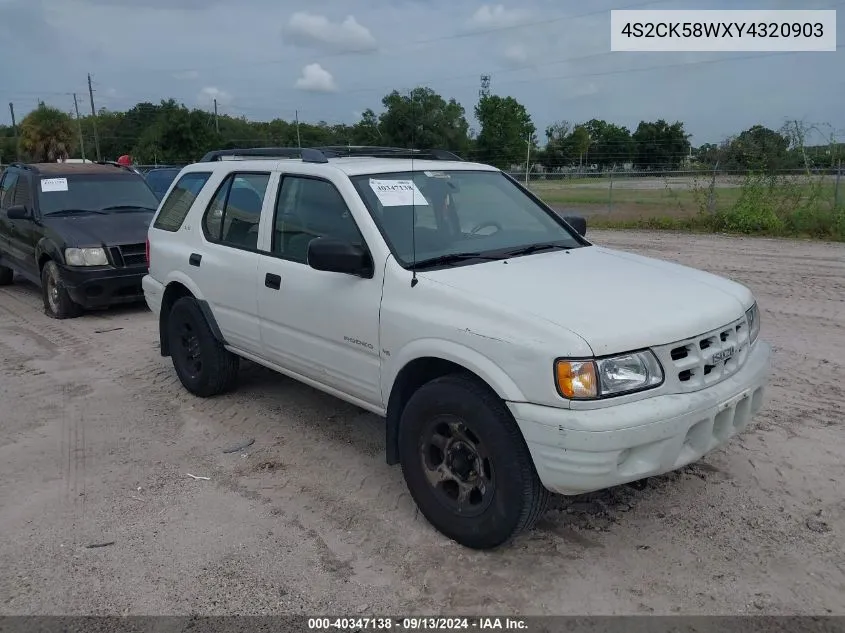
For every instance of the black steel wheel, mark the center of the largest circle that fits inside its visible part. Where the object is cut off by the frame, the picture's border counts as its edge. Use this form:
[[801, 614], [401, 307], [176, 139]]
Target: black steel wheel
[[204, 366], [57, 301], [466, 463]]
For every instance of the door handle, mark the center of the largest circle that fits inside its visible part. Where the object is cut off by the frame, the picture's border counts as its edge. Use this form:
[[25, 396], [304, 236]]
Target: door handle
[[272, 281], [195, 259]]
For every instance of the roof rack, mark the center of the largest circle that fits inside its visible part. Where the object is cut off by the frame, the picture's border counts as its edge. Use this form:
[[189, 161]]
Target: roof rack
[[322, 154], [306, 154], [371, 151], [21, 165], [113, 163]]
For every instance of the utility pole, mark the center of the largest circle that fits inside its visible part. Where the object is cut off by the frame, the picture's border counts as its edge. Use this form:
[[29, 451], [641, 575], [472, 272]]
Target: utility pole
[[79, 125], [216, 121], [15, 131], [298, 139], [528, 159], [94, 118]]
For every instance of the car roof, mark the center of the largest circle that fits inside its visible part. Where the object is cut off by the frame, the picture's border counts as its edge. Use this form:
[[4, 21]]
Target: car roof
[[351, 166], [69, 169]]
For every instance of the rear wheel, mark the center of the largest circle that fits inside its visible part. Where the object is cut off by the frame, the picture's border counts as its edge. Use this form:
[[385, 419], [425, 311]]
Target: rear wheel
[[6, 276], [203, 365], [466, 463], [57, 301]]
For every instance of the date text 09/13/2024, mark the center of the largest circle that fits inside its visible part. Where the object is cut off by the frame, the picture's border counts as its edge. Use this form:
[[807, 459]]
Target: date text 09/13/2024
[[416, 624]]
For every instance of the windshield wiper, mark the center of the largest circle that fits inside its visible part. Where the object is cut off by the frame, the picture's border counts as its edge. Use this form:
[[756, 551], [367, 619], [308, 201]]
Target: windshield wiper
[[120, 207], [534, 248], [74, 211], [451, 258]]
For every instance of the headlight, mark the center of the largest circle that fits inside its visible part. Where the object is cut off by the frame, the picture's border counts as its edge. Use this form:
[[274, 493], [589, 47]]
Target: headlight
[[605, 377], [752, 315], [86, 257]]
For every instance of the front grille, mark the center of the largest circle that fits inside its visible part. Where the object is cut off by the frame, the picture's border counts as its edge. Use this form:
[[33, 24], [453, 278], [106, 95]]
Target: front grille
[[129, 255], [705, 360]]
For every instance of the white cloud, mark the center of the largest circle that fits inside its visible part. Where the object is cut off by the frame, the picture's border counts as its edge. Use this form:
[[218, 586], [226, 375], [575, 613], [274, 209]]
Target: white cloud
[[309, 29], [515, 53], [496, 16], [186, 74], [208, 94], [315, 78]]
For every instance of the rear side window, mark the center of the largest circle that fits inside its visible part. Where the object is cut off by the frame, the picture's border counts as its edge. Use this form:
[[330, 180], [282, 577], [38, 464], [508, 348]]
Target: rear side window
[[175, 207], [232, 216]]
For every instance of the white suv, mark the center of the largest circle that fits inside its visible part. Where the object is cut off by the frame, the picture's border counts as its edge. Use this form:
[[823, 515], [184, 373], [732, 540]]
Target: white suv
[[509, 355]]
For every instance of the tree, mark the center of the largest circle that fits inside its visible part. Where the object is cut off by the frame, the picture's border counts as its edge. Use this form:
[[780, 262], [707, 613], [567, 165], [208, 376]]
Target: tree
[[758, 148], [579, 142], [610, 144], [47, 135], [660, 145], [555, 153], [423, 119], [178, 135], [506, 131], [366, 131]]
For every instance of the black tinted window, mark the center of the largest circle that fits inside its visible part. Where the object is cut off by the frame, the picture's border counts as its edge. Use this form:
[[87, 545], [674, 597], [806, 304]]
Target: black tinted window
[[7, 189], [160, 179], [233, 215], [95, 192], [175, 208]]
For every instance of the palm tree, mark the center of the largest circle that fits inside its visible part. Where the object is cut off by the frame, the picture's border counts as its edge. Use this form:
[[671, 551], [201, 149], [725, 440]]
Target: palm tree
[[46, 135]]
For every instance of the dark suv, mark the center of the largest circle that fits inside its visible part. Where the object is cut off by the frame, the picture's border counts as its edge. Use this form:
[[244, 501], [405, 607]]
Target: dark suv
[[78, 230]]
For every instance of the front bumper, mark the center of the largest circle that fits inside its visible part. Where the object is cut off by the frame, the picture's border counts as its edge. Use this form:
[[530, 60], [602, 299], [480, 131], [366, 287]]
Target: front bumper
[[642, 438], [99, 287]]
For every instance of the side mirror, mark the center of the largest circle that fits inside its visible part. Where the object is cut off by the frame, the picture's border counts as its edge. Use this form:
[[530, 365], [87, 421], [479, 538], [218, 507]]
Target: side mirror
[[338, 256], [17, 212], [577, 222]]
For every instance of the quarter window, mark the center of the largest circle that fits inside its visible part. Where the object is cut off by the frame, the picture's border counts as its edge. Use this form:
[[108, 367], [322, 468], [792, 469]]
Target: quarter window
[[175, 208], [7, 189], [234, 213]]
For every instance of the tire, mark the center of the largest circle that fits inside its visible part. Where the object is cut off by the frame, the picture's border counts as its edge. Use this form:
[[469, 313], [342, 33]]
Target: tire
[[6, 276], [204, 366], [461, 415], [57, 301]]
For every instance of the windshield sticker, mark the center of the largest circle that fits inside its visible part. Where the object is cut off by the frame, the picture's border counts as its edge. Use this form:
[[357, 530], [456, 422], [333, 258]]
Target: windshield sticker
[[437, 174], [53, 184], [397, 193]]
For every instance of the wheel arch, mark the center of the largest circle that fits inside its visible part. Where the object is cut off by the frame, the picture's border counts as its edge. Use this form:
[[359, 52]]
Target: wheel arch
[[46, 250], [417, 370], [173, 291]]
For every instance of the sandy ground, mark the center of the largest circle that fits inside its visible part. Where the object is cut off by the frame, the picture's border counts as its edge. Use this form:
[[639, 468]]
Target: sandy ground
[[97, 436]]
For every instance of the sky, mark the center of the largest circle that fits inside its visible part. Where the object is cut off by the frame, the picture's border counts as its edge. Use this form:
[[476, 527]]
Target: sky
[[330, 60]]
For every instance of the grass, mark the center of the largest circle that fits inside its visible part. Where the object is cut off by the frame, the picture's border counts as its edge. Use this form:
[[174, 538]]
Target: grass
[[754, 205]]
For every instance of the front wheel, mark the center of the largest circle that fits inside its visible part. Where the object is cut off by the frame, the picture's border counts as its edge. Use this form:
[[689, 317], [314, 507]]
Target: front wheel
[[203, 365], [57, 301], [466, 463]]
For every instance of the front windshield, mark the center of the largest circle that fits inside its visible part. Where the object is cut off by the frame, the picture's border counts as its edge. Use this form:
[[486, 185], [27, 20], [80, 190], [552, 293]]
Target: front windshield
[[110, 193], [450, 212]]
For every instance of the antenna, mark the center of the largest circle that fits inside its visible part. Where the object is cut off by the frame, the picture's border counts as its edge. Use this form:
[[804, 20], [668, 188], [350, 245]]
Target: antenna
[[414, 279], [485, 87]]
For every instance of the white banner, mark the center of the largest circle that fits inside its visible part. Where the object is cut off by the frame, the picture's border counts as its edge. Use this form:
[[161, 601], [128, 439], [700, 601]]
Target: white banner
[[723, 30]]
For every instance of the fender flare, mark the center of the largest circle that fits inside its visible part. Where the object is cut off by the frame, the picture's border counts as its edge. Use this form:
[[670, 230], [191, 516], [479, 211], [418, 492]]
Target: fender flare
[[203, 304]]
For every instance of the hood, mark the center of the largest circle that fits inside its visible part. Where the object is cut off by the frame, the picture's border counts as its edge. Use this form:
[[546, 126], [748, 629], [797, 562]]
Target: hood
[[121, 227], [616, 301]]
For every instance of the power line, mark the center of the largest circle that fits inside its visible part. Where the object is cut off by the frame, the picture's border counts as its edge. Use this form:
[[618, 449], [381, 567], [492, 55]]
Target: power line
[[415, 43]]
